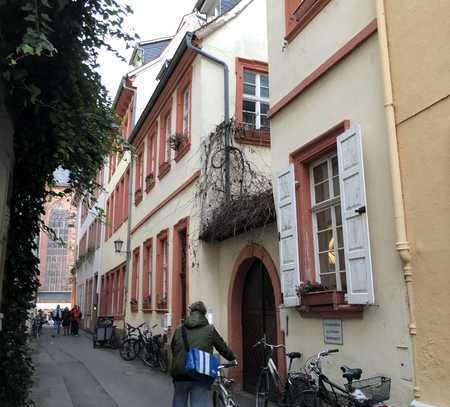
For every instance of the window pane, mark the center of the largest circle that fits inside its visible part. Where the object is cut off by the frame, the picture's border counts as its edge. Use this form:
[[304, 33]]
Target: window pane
[[337, 212], [249, 118], [329, 281], [264, 92], [264, 108], [343, 282], [340, 237], [326, 241], [249, 106], [320, 172], [327, 262], [265, 122], [249, 89], [322, 192], [334, 164], [336, 187], [249, 76], [341, 259], [264, 79], [324, 219]]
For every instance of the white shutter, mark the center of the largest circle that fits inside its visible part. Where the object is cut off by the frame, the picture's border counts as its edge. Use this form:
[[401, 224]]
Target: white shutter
[[358, 263], [287, 228]]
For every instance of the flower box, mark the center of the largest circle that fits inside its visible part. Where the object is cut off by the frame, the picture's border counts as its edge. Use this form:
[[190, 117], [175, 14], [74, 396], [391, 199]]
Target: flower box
[[329, 297], [149, 182], [134, 306], [138, 196]]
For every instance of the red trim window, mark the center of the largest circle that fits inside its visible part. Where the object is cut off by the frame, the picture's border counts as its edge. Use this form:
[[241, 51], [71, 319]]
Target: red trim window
[[252, 101], [139, 175], [125, 194], [117, 203], [184, 115], [318, 210], [121, 273], [151, 158], [98, 233], [165, 132], [147, 276], [180, 275], [107, 227], [162, 270], [299, 13], [135, 280]]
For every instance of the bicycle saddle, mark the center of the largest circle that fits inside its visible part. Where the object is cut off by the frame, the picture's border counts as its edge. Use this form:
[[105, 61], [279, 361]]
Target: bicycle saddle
[[294, 355], [351, 374]]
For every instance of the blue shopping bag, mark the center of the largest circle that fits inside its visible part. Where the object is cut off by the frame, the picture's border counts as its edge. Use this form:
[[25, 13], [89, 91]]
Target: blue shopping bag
[[197, 360]]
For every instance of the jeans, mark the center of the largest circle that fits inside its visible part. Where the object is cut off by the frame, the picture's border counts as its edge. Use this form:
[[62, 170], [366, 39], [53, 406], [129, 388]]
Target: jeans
[[57, 327], [198, 393]]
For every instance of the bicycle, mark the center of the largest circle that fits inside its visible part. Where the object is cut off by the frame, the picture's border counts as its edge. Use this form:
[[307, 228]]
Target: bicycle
[[372, 392], [142, 342], [222, 389], [270, 388]]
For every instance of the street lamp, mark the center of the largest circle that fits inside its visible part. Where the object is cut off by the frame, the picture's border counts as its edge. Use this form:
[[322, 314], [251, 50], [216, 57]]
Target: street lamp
[[118, 246]]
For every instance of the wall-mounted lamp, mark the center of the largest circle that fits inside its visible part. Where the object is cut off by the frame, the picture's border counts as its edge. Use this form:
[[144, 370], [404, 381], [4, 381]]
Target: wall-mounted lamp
[[118, 246]]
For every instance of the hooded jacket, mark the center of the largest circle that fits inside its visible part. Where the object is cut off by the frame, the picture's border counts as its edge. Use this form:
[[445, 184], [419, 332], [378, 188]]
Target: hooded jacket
[[200, 334]]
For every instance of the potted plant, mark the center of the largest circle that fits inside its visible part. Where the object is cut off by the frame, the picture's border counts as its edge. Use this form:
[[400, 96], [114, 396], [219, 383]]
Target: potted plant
[[149, 181], [313, 293], [162, 302], [134, 305], [177, 141], [147, 302]]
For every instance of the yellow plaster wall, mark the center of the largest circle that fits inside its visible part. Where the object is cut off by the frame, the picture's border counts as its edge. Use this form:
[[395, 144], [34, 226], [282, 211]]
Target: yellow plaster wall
[[419, 48]]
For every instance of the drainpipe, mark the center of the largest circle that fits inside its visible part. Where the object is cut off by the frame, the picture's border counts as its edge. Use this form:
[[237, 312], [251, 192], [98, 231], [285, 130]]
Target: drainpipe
[[402, 244], [226, 92]]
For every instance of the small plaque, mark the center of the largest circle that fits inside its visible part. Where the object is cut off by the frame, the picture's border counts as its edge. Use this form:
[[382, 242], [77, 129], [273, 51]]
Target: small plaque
[[332, 331]]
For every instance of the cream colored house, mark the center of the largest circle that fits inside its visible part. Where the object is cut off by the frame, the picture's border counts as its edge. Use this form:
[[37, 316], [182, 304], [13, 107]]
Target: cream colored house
[[333, 168], [418, 88], [179, 254]]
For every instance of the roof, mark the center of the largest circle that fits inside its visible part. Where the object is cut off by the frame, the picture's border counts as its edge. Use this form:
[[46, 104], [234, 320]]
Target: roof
[[226, 5], [152, 49]]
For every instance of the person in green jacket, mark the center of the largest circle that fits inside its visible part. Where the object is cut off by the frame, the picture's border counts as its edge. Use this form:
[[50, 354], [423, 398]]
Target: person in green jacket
[[200, 334]]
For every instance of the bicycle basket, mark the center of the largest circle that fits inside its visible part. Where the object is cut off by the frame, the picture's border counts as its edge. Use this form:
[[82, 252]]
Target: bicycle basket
[[376, 389]]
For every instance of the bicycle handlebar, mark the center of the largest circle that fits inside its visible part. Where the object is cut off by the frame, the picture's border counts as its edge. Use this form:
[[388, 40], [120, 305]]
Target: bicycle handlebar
[[227, 365], [263, 342]]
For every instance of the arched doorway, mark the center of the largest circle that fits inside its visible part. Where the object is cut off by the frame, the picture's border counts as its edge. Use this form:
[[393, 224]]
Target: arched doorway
[[258, 319], [253, 267]]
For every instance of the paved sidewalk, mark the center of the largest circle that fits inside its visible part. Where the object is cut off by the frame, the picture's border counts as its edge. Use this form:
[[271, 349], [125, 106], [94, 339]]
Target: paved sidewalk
[[71, 373]]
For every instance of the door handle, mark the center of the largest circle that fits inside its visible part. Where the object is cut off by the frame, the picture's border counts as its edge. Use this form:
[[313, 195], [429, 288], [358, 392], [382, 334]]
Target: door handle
[[361, 210]]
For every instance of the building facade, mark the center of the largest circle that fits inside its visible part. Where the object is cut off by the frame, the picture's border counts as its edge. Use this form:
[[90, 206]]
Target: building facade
[[334, 196], [57, 249], [418, 89]]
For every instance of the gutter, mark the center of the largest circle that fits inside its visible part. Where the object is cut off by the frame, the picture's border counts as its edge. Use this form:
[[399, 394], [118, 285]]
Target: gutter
[[402, 244]]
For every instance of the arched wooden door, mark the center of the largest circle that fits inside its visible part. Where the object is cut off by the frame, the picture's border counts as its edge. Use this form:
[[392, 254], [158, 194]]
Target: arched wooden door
[[258, 319]]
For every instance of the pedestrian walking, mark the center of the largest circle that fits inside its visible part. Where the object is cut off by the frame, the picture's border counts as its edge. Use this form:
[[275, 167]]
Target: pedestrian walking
[[75, 319], [66, 321], [195, 332], [57, 318]]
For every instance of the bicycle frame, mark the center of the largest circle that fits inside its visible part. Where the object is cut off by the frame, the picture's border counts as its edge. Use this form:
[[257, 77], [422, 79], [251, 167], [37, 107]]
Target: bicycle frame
[[221, 385]]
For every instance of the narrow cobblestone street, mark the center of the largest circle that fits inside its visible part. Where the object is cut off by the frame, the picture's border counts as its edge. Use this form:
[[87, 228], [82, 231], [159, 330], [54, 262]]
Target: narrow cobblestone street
[[70, 373]]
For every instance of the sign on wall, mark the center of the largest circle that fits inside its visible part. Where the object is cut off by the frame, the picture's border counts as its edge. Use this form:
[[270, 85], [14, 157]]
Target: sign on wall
[[332, 331]]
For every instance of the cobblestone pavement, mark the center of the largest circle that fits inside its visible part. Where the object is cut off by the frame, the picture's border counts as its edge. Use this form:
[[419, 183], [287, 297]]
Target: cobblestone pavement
[[70, 373]]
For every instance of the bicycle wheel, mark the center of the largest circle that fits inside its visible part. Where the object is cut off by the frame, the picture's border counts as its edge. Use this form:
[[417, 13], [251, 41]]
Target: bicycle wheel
[[218, 400], [129, 349], [263, 389]]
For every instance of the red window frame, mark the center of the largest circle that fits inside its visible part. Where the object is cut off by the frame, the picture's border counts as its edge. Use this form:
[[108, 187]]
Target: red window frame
[[135, 279], [162, 241], [164, 149], [184, 84], [302, 158], [147, 275], [299, 13], [252, 137], [139, 175], [151, 158]]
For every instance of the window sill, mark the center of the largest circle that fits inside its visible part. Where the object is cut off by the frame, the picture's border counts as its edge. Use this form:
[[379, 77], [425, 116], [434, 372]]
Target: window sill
[[162, 310], [146, 309], [340, 311], [137, 197], [134, 307], [149, 183], [164, 168], [303, 15], [254, 138], [182, 151]]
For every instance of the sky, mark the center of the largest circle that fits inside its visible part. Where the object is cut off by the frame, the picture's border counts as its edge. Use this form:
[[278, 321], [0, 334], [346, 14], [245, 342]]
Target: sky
[[151, 19]]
